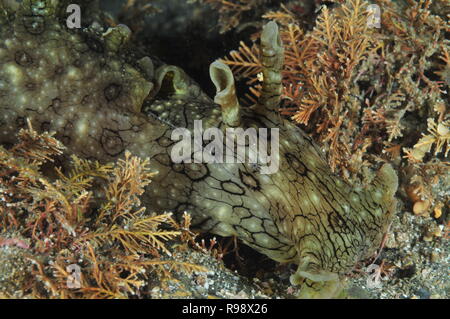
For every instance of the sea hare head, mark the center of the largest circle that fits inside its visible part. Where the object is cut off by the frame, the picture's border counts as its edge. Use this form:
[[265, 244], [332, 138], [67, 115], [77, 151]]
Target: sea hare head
[[319, 221]]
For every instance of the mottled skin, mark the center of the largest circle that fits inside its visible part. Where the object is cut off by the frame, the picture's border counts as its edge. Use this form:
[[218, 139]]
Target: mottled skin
[[78, 84]]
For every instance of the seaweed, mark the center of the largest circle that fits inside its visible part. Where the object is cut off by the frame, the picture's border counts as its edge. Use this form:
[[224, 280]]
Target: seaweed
[[90, 217], [366, 94], [231, 11]]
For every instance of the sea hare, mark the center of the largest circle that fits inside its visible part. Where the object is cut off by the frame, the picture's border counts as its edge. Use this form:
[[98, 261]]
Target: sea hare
[[101, 100]]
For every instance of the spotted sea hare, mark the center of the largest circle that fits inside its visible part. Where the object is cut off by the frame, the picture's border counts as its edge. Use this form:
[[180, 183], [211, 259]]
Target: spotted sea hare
[[87, 86]]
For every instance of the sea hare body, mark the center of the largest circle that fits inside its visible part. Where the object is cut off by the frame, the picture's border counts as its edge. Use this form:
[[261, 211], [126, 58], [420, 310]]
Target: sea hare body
[[79, 84]]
